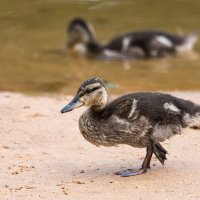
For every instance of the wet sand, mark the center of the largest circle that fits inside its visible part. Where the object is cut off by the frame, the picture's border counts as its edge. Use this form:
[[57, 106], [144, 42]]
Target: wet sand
[[43, 156]]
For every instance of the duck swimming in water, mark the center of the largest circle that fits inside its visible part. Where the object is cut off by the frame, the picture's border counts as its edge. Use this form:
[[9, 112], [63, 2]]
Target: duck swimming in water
[[131, 45], [137, 119]]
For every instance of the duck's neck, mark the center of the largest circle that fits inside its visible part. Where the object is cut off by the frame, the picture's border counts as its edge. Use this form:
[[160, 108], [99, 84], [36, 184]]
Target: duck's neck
[[101, 103], [90, 48], [93, 47], [97, 109], [89, 40]]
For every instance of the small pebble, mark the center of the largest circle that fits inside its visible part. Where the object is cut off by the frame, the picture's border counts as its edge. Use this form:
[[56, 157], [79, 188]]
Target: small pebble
[[78, 182], [30, 187], [6, 147], [13, 173], [26, 107]]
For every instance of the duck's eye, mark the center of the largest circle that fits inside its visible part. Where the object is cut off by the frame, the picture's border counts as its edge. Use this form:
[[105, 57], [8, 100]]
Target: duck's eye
[[88, 91]]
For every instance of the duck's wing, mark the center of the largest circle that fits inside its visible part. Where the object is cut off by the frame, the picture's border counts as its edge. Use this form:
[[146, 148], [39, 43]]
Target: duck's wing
[[125, 46], [156, 107], [146, 43], [145, 117], [159, 43], [155, 115]]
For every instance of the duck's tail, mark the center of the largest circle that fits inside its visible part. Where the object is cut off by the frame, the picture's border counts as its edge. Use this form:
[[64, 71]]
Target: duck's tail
[[193, 120], [159, 152], [189, 42]]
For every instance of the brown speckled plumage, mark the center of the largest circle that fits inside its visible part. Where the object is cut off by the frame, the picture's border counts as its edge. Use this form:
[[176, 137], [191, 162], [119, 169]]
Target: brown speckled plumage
[[114, 130]]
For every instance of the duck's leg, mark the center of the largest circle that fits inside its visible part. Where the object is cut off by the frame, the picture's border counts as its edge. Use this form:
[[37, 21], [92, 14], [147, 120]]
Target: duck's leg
[[145, 165]]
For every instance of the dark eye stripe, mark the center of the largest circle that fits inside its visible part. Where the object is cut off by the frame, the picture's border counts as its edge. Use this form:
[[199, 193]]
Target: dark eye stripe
[[81, 94], [88, 91]]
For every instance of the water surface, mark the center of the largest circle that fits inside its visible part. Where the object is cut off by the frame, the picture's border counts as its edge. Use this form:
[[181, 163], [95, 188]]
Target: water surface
[[32, 38]]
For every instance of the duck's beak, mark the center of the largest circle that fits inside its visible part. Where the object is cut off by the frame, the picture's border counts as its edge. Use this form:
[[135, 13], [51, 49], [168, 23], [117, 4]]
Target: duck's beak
[[75, 103]]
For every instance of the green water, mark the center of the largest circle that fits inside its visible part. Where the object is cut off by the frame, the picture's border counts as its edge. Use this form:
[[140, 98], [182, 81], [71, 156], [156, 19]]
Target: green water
[[32, 38]]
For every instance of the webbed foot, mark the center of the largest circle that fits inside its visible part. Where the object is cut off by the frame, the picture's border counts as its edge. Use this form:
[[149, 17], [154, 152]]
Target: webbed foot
[[143, 169], [160, 152], [131, 172]]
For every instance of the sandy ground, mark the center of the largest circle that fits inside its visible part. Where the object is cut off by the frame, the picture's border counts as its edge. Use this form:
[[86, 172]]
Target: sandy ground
[[43, 156]]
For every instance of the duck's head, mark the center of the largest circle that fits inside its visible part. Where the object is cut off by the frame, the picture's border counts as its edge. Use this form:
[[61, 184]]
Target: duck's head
[[79, 33], [92, 93]]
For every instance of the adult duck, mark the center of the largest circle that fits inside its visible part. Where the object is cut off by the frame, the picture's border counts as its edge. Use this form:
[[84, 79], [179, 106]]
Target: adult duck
[[131, 45], [137, 119]]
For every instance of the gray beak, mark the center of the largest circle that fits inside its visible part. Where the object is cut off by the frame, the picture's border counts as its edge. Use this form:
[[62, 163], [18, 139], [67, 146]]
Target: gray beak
[[75, 103]]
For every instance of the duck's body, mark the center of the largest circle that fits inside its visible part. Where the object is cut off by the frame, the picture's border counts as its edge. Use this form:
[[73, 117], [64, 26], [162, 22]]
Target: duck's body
[[137, 119], [132, 45]]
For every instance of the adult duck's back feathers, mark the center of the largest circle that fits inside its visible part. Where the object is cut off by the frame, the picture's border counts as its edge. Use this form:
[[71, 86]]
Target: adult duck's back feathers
[[137, 119]]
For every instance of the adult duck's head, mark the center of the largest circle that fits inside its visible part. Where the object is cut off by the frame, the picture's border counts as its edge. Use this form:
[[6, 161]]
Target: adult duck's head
[[92, 93], [80, 33]]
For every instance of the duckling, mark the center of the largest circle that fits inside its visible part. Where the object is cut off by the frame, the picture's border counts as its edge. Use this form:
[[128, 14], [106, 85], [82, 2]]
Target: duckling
[[138, 119], [131, 45]]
